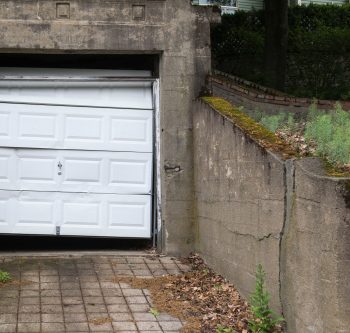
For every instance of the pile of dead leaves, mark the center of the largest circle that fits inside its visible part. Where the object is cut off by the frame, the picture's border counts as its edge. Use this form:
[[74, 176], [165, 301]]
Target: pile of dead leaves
[[218, 302], [203, 299]]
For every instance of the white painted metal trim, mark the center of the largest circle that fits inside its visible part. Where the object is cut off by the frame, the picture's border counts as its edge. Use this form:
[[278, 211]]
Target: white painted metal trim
[[157, 165]]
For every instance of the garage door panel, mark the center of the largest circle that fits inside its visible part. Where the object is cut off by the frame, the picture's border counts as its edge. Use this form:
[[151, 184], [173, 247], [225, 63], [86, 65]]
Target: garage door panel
[[4, 124], [75, 171], [37, 126], [35, 212], [82, 214], [36, 170], [136, 95], [4, 222], [84, 128]]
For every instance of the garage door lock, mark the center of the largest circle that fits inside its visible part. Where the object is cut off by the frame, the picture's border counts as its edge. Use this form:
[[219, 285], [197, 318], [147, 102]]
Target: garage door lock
[[58, 231]]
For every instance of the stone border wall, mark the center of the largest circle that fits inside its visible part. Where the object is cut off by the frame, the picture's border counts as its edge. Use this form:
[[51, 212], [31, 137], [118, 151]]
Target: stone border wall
[[253, 96], [254, 207]]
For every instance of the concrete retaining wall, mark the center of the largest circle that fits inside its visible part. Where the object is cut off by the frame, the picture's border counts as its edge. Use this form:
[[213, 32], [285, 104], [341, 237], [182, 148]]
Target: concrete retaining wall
[[253, 207]]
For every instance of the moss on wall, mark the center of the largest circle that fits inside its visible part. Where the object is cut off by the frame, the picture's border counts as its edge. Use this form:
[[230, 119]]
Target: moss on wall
[[258, 133]]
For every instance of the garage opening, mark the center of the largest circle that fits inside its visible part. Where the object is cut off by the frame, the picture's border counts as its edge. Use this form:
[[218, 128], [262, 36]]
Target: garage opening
[[77, 146]]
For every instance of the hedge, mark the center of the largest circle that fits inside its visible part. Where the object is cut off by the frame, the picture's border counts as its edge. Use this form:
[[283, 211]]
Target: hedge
[[318, 49]]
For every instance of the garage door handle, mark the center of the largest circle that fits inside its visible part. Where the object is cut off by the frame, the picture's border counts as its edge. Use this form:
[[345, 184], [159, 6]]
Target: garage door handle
[[59, 165]]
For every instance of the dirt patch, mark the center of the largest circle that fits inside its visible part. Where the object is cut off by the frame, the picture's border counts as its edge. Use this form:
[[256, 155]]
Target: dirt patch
[[100, 321], [15, 283], [200, 297]]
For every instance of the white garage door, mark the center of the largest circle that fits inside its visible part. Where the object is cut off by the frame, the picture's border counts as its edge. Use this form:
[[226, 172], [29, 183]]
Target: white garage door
[[76, 157]]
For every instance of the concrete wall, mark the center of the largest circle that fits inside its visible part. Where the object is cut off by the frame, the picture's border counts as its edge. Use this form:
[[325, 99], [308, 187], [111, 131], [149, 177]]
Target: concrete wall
[[175, 30], [316, 253], [240, 202], [252, 207]]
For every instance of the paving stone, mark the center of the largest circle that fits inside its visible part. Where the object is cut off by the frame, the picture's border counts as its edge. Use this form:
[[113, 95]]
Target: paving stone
[[52, 318], [47, 272], [49, 278], [141, 316], [109, 285], [94, 300], [95, 308], [69, 285], [8, 318], [30, 286], [136, 299], [77, 327], [148, 326], [101, 328], [71, 293], [112, 292], [132, 292], [49, 293], [29, 317], [50, 308], [8, 301], [135, 260], [75, 317], [90, 285], [51, 300], [72, 300], [29, 308], [124, 326], [114, 300], [170, 325], [88, 278], [52, 327], [74, 308], [143, 272], [121, 316], [28, 328], [92, 292], [10, 293], [139, 307], [29, 293], [9, 309], [8, 328], [123, 272], [117, 308]]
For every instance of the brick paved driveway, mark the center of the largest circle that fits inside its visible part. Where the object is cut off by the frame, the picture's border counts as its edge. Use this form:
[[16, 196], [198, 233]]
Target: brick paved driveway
[[76, 294]]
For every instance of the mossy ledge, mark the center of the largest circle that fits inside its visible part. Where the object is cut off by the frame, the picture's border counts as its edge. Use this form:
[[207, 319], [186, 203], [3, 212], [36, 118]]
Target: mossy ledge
[[254, 130]]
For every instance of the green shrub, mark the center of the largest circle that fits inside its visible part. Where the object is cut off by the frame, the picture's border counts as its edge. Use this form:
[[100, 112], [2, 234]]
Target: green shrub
[[264, 319], [318, 58], [4, 277], [330, 131]]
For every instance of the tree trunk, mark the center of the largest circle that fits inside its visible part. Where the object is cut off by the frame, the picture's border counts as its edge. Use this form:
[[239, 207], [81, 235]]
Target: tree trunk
[[276, 39]]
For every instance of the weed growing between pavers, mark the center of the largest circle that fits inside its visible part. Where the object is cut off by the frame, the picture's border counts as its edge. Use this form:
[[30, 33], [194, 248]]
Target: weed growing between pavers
[[5, 277], [200, 298]]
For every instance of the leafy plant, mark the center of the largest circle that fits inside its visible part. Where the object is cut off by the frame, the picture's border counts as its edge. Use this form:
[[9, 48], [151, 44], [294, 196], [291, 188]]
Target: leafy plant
[[4, 277], [224, 329], [330, 131], [264, 319], [284, 121], [154, 312]]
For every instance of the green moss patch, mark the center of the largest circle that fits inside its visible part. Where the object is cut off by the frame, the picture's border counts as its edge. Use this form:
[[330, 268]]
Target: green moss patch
[[257, 132]]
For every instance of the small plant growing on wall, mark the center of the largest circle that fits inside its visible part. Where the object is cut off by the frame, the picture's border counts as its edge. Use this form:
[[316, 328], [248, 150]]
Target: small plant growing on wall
[[264, 319], [4, 277]]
